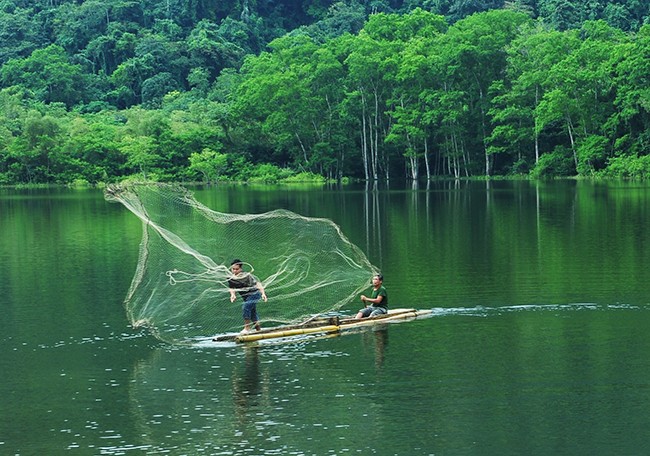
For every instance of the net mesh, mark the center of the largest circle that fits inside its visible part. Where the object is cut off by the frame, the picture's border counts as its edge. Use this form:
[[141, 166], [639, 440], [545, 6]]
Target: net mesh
[[180, 287]]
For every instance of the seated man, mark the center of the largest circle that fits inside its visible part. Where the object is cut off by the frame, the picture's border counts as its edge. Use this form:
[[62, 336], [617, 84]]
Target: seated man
[[378, 299]]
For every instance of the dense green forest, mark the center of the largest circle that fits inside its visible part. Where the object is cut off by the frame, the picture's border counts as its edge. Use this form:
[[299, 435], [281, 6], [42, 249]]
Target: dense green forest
[[97, 91]]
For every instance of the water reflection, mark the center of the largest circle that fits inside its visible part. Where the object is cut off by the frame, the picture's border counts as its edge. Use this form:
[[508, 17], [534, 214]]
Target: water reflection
[[372, 217], [249, 383], [378, 337]]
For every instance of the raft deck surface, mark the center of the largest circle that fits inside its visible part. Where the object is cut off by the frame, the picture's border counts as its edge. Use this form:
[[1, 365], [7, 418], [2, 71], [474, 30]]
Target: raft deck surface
[[323, 325]]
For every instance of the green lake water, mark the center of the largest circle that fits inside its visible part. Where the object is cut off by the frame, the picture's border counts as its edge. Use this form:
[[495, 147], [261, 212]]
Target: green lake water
[[539, 342]]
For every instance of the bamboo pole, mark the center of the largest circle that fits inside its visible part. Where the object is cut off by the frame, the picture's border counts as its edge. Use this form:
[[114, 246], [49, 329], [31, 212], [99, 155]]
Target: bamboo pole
[[398, 314]]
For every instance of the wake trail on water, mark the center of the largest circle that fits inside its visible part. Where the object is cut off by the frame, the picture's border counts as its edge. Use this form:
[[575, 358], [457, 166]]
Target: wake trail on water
[[485, 311]]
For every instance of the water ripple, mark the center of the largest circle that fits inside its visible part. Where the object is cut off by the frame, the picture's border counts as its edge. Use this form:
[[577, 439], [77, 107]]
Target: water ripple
[[483, 311]]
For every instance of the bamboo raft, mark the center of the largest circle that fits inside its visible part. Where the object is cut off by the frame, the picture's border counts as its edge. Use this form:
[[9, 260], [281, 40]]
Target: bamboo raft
[[323, 326]]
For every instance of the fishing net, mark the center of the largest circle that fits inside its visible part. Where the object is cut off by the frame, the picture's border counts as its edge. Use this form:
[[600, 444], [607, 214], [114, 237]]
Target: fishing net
[[180, 288]]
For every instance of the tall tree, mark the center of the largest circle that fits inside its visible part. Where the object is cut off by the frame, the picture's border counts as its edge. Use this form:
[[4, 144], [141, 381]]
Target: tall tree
[[475, 58], [289, 92], [630, 66], [48, 74], [19, 37], [514, 113], [420, 32], [371, 67], [578, 88]]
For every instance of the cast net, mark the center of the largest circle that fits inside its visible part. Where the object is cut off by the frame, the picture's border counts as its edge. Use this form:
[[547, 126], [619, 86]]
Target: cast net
[[180, 288]]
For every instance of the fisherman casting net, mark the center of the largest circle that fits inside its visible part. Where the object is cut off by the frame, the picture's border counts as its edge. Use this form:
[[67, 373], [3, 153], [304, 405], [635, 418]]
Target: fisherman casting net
[[180, 288]]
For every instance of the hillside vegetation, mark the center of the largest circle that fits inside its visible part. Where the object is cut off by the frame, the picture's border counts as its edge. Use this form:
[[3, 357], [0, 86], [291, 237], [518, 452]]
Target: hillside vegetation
[[96, 91]]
